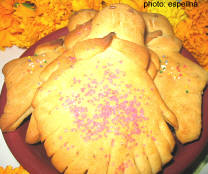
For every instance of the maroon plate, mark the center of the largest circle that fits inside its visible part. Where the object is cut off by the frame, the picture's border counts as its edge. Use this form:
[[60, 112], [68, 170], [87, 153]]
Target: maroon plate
[[34, 159]]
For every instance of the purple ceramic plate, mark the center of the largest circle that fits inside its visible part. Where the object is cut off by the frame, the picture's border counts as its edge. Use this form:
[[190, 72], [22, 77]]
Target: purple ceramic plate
[[34, 159]]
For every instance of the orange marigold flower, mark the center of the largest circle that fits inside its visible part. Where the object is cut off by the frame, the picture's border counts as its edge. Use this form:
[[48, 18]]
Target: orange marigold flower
[[6, 22], [11, 170], [24, 12], [194, 32], [6, 6], [25, 22], [173, 14]]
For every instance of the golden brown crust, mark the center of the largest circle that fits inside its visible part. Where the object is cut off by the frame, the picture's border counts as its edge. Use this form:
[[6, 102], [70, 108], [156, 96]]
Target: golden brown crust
[[19, 91], [131, 30], [154, 64], [65, 138], [152, 35], [157, 22], [90, 47], [159, 32], [80, 33], [49, 46], [33, 133], [180, 81], [80, 17], [65, 60], [132, 50], [13, 126], [165, 43], [22, 81], [98, 108]]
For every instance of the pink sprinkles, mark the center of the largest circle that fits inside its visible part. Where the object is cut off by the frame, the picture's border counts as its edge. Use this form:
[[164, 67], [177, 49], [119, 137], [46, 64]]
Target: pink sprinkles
[[117, 112]]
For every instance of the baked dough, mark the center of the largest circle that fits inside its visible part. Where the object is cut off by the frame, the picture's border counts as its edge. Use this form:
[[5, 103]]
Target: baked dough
[[104, 94], [22, 81], [82, 20], [80, 17], [104, 113], [63, 61], [179, 81], [54, 50]]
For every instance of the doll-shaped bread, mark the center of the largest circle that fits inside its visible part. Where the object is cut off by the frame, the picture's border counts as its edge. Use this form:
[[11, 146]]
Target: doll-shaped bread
[[22, 80], [61, 62], [104, 113], [179, 81], [80, 22], [76, 21]]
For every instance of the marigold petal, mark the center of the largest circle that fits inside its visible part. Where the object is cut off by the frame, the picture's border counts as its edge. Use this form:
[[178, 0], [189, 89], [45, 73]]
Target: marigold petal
[[6, 6], [24, 12], [6, 21]]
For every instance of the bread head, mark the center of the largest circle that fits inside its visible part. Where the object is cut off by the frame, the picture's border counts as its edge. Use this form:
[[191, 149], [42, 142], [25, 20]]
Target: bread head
[[161, 32], [155, 21], [80, 17], [121, 19]]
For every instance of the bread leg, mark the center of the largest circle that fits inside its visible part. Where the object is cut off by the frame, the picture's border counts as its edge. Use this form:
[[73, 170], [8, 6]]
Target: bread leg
[[32, 134]]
